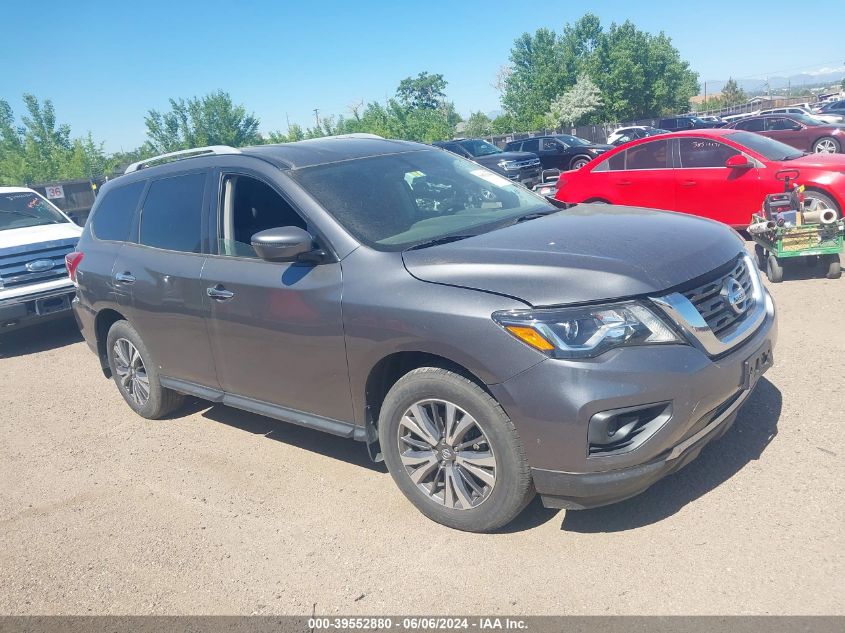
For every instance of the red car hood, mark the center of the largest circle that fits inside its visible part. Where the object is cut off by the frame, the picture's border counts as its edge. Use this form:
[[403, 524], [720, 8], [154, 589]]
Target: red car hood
[[833, 162]]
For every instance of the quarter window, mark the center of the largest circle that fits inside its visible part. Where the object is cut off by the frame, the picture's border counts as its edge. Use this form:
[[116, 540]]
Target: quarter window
[[115, 212], [698, 153], [172, 214]]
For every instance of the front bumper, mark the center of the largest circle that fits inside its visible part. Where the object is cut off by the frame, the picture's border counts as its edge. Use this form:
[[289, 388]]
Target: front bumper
[[21, 311], [552, 403]]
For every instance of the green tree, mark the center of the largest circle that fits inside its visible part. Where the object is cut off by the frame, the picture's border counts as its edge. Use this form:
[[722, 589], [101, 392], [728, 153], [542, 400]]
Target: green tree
[[41, 149], [732, 94], [574, 104], [503, 124], [638, 74], [209, 120], [478, 124], [425, 91]]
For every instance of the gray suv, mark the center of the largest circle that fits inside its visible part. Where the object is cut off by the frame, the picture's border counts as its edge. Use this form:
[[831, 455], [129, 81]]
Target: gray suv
[[483, 343]]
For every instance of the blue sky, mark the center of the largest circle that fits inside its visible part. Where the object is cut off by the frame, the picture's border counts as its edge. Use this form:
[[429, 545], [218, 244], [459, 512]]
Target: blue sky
[[105, 64]]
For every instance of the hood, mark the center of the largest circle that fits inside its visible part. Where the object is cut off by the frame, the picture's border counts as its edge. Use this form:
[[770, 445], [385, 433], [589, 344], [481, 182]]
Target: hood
[[495, 159], [816, 161], [590, 252], [36, 234]]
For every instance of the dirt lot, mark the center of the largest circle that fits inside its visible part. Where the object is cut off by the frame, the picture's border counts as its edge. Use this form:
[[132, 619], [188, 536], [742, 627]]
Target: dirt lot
[[218, 511]]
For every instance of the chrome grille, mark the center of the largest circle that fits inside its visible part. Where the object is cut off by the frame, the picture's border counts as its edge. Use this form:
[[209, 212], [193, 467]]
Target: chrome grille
[[13, 263], [711, 305]]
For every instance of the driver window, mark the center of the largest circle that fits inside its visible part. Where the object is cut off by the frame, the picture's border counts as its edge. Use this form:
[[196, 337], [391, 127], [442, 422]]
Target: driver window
[[247, 207], [780, 124], [550, 145]]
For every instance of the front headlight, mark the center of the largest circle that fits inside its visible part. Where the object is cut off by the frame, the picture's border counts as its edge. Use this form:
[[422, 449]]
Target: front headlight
[[588, 331]]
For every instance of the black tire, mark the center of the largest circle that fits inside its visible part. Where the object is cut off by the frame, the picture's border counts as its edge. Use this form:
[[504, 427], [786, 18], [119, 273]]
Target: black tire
[[824, 199], [827, 141], [834, 267], [513, 488], [160, 400], [760, 254], [774, 270], [578, 162]]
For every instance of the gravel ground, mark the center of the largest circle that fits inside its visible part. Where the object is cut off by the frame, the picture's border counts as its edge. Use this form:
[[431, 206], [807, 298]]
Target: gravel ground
[[217, 511]]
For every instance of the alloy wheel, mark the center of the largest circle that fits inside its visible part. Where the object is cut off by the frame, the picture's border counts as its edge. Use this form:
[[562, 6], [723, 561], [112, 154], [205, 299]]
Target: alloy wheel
[[446, 454], [825, 146], [131, 372]]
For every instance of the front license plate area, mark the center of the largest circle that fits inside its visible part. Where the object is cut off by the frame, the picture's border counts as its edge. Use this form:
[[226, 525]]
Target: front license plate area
[[756, 366], [52, 304]]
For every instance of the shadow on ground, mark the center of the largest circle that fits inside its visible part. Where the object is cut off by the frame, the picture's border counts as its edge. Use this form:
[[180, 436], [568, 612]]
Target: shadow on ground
[[344, 449], [754, 429], [39, 338]]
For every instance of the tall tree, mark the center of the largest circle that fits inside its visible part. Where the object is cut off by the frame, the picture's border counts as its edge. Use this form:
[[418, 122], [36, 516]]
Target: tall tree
[[478, 124], [574, 104], [209, 120], [639, 74], [425, 91], [732, 94], [41, 149]]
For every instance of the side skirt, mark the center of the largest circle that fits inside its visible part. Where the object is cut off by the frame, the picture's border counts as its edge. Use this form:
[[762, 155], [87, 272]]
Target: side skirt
[[300, 418]]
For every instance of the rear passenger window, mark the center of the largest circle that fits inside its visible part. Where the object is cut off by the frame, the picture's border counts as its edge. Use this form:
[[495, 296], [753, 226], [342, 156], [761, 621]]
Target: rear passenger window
[[172, 213], [654, 155], [113, 217]]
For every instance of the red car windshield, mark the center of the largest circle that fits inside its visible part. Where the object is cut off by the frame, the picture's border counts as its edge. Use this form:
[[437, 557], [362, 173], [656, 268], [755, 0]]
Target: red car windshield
[[766, 147]]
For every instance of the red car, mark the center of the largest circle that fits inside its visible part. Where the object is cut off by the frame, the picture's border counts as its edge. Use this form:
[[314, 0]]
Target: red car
[[720, 174], [800, 131]]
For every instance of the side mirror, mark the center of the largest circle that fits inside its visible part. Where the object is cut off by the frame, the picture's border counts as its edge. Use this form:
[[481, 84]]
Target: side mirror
[[738, 161], [282, 244]]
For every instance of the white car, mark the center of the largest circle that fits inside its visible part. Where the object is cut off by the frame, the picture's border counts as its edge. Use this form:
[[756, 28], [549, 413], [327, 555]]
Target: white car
[[827, 118], [622, 131], [35, 236]]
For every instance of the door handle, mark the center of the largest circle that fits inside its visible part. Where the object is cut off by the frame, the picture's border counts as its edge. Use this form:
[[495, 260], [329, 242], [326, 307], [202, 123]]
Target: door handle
[[124, 278], [689, 183], [219, 293], [623, 183]]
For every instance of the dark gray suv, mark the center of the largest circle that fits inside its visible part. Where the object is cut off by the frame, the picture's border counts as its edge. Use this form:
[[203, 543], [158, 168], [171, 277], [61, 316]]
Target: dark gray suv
[[481, 341]]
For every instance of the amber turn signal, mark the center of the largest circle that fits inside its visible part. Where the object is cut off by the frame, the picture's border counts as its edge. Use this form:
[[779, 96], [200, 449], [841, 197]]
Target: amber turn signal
[[530, 336]]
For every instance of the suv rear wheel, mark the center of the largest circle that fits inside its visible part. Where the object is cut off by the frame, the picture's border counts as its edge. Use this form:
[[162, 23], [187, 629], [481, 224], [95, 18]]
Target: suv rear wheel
[[453, 451], [135, 374]]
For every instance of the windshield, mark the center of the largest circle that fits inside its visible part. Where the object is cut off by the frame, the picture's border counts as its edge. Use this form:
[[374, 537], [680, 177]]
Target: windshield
[[480, 148], [766, 147], [403, 200], [573, 140], [22, 209]]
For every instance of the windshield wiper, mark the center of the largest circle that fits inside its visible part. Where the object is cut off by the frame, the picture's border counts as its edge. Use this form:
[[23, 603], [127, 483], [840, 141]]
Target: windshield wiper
[[445, 239], [534, 215]]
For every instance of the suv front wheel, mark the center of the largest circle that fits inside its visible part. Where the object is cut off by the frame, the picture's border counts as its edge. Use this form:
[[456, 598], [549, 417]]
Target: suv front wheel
[[135, 374], [453, 451]]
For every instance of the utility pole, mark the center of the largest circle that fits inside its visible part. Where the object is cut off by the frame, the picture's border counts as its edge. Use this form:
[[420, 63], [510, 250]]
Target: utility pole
[[287, 118], [317, 116]]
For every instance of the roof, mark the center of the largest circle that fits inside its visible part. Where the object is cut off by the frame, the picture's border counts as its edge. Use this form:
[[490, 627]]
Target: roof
[[15, 190], [330, 149]]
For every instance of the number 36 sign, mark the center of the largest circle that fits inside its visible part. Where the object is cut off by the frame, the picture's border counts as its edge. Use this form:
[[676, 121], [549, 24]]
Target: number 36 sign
[[55, 191]]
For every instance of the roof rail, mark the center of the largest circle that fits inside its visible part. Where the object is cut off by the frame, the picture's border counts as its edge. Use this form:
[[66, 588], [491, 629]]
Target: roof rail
[[352, 135], [185, 153]]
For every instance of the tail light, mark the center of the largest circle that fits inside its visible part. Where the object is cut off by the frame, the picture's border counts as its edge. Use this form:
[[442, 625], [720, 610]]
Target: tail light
[[72, 261]]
